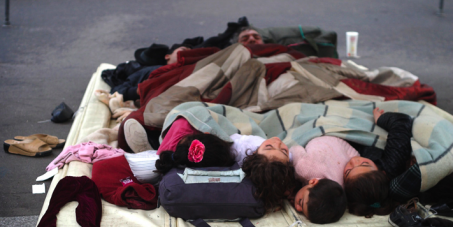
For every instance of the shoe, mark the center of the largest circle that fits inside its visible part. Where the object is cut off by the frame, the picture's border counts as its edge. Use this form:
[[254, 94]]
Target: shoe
[[136, 136], [33, 148], [410, 214], [52, 141], [443, 209]]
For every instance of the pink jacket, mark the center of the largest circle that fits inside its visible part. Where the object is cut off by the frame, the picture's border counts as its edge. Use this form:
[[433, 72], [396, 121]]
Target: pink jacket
[[323, 157], [88, 152]]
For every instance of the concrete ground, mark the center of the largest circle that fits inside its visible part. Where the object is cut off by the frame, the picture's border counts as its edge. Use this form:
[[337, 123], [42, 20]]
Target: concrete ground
[[52, 48]]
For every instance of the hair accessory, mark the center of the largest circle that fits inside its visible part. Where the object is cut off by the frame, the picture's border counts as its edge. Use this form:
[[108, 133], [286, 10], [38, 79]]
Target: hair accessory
[[376, 205], [196, 151]]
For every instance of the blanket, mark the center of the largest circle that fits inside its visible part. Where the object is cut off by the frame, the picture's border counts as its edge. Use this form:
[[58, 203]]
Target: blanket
[[259, 78], [298, 123]]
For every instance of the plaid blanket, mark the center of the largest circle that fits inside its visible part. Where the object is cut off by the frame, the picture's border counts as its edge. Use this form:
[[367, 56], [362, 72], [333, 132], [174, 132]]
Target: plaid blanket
[[264, 77], [298, 123]]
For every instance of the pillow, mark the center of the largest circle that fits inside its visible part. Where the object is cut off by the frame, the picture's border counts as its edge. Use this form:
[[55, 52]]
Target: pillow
[[143, 164]]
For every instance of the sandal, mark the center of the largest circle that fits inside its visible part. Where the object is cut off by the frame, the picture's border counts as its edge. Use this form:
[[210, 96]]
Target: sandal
[[52, 141], [34, 148]]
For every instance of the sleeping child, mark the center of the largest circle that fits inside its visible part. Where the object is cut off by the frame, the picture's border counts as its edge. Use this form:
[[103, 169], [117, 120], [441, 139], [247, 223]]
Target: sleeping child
[[320, 165], [265, 161], [323, 164]]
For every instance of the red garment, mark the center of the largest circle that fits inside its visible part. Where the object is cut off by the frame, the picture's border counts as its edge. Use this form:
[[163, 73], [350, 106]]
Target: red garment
[[413, 93], [117, 185], [332, 61], [80, 189], [274, 70], [271, 49], [164, 77], [180, 128]]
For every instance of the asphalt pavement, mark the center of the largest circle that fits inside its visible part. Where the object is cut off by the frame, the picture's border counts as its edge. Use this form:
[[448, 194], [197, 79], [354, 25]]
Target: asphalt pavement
[[51, 49]]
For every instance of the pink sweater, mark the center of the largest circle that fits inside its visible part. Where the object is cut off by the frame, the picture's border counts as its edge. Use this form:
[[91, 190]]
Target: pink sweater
[[323, 157], [88, 152]]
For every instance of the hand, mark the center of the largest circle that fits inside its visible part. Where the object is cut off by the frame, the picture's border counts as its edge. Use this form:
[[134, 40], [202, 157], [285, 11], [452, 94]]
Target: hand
[[120, 119], [377, 113], [121, 113]]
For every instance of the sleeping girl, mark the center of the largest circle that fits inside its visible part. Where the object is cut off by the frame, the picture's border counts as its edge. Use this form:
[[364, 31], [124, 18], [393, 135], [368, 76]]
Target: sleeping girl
[[321, 166], [373, 185], [265, 162]]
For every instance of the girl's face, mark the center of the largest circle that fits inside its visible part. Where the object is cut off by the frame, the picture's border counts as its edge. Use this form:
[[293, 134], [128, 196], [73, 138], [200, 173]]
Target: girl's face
[[274, 149], [358, 165]]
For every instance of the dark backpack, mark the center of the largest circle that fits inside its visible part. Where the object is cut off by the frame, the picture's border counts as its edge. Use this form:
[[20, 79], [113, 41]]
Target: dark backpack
[[211, 193]]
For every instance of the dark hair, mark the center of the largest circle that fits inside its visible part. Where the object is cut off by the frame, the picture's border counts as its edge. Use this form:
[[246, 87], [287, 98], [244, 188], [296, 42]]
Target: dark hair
[[217, 153], [271, 179], [368, 194], [235, 37], [326, 202]]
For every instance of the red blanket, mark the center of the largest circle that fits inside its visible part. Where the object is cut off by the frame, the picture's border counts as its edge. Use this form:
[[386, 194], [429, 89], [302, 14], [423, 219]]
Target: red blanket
[[257, 78]]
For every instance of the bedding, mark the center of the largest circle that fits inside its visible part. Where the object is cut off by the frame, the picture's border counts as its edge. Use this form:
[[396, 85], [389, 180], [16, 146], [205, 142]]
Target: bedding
[[264, 77], [94, 116], [298, 123]]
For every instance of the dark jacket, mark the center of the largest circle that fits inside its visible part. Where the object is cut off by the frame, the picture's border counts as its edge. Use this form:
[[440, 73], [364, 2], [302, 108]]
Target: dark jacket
[[129, 87]]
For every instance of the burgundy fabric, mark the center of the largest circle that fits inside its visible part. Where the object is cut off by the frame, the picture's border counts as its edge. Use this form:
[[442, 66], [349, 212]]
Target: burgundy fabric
[[413, 93], [332, 61], [153, 87], [274, 70], [80, 189], [193, 56], [108, 175], [164, 77], [224, 95], [271, 49]]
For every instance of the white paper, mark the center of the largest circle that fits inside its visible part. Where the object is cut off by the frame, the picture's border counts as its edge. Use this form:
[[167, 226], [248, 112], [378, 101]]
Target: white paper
[[39, 188], [48, 174]]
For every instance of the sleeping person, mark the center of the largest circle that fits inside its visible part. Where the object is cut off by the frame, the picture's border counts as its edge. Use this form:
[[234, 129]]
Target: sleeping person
[[265, 161], [319, 166], [373, 186], [333, 159]]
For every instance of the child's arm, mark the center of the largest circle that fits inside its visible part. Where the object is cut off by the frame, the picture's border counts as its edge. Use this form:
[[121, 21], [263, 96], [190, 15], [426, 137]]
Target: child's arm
[[398, 148]]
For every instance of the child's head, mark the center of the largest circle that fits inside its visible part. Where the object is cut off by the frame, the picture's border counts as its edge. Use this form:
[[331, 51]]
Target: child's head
[[367, 188], [272, 178], [274, 149], [368, 194], [216, 152], [321, 201]]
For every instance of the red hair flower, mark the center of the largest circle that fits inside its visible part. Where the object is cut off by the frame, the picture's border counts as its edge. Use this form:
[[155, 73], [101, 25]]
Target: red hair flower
[[196, 151]]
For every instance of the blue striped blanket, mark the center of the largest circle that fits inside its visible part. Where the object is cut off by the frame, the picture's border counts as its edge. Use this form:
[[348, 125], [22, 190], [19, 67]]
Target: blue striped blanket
[[298, 123]]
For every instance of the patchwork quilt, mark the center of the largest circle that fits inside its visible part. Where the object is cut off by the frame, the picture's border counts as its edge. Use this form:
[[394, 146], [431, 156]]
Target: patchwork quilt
[[259, 78]]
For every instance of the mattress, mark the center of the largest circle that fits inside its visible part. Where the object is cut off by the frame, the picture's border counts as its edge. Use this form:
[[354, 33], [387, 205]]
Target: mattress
[[94, 115]]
